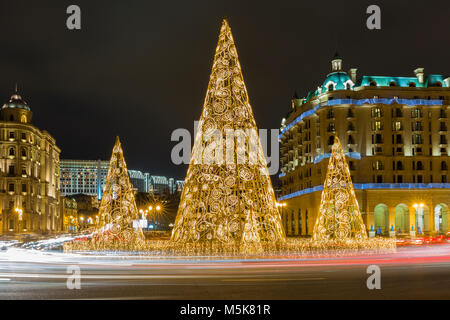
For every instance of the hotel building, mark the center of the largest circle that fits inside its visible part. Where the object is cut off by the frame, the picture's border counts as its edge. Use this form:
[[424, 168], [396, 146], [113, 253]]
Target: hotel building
[[89, 177], [29, 173], [394, 131]]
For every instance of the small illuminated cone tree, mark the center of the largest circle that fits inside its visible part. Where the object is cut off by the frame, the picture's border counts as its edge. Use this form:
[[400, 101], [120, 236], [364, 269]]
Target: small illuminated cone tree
[[339, 216], [118, 207], [228, 200]]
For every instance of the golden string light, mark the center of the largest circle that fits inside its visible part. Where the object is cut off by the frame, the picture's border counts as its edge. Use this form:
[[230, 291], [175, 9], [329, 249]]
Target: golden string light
[[339, 216], [228, 202], [117, 211]]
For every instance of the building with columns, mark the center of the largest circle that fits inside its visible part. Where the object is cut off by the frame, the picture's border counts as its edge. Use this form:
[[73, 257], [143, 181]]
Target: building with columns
[[29, 173], [394, 131]]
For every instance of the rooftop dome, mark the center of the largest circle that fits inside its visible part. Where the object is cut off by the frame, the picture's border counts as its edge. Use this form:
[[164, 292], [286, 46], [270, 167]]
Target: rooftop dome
[[338, 80], [16, 101]]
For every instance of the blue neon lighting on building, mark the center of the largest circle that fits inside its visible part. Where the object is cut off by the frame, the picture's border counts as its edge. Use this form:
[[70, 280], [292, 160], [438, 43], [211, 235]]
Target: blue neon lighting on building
[[366, 186], [353, 155], [281, 175], [387, 101]]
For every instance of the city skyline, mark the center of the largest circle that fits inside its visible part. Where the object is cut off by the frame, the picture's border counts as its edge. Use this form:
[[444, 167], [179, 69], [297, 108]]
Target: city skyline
[[122, 86]]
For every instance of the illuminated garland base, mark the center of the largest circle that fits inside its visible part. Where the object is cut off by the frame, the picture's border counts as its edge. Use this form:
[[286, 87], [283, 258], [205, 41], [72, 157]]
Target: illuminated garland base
[[292, 247]]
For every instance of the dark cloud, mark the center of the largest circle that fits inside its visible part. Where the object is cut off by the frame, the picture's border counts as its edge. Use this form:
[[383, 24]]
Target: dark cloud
[[139, 69]]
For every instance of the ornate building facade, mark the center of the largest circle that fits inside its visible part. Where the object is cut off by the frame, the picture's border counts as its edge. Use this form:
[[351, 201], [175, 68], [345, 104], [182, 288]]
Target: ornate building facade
[[29, 173], [394, 131]]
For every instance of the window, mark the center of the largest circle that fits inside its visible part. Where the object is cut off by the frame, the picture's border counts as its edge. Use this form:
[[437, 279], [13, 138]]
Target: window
[[377, 165], [396, 126], [392, 84], [412, 84], [399, 165], [443, 179], [351, 140], [416, 113], [11, 187], [416, 126], [419, 165], [351, 127], [330, 114], [419, 179], [11, 135], [372, 84], [330, 87], [398, 139], [399, 179], [24, 187], [443, 165], [379, 179], [23, 136], [417, 139], [376, 112], [331, 127], [330, 140], [442, 139], [11, 170], [378, 138], [23, 119], [24, 152], [12, 152]]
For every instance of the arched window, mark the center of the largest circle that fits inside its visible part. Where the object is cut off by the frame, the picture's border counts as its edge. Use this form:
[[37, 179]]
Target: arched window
[[438, 84], [419, 165], [348, 86], [330, 140], [399, 165], [24, 152], [392, 84], [11, 118], [12, 152], [412, 84], [372, 83], [330, 87], [23, 119], [444, 165]]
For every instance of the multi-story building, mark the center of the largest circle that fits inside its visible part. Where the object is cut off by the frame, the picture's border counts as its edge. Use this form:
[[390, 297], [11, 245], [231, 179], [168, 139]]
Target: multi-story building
[[89, 177], [139, 180], [83, 176], [394, 131], [69, 214], [29, 173]]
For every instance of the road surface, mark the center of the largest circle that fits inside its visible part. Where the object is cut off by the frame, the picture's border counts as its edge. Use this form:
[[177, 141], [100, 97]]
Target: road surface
[[411, 273]]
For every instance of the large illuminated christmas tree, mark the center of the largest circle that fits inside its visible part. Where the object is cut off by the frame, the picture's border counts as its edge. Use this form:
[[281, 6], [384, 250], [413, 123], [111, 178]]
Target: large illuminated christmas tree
[[118, 208], [228, 200], [339, 216]]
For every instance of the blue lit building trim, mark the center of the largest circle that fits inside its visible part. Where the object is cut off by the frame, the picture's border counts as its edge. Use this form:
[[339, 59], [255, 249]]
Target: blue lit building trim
[[387, 101], [353, 155], [368, 186], [281, 175]]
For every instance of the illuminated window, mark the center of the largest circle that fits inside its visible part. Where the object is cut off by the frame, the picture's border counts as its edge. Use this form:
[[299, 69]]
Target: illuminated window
[[396, 126], [23, 118], [377, 165], [376, 112]]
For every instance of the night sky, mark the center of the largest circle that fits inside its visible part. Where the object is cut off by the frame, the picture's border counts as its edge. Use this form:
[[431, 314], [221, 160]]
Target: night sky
[[140, 69]]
